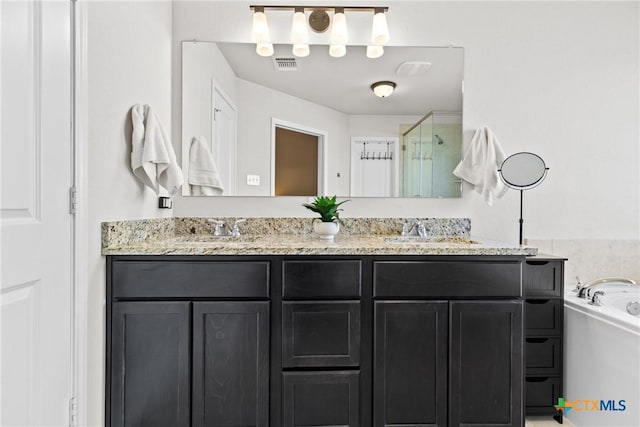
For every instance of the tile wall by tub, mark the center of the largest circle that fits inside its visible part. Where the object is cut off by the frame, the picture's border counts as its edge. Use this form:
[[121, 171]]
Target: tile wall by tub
[[591, 259]]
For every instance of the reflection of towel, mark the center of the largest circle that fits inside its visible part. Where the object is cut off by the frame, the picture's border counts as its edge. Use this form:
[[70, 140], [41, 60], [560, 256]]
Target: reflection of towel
[[152, 158], [204, 179], [480, 165]]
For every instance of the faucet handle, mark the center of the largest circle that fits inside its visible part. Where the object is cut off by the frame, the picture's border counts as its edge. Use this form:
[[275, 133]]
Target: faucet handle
[[218, 227], [235, 230]]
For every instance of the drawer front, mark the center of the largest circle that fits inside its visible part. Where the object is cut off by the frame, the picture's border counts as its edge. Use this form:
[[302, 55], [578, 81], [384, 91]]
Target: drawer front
[[542, 355], [320, 334], [321, 279], [543, 317], [190, 279], [328, 398], [442, 279], [543, 278], [541, 393]]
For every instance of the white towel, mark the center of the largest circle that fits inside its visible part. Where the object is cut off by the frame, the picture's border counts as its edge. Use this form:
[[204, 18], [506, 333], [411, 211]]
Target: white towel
[[152, 158], [480, 163], [204, 179]]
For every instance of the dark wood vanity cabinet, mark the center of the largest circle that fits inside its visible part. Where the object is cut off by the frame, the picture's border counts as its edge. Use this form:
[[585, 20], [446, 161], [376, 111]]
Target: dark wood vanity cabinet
[[544, 317], [296, 341], [450, 352], [187, 342]]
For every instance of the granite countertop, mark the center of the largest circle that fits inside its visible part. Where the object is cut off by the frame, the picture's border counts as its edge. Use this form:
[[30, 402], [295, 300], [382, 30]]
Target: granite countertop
[[191, 236]]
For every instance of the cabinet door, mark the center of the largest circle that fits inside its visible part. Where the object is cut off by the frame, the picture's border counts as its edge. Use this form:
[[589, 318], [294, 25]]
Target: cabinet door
[[410, 364], [230, 364], [486, 368], [150, 364]]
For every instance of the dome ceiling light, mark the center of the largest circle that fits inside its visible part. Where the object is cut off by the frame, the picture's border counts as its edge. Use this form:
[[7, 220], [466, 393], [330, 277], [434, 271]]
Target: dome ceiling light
[[383, 88]]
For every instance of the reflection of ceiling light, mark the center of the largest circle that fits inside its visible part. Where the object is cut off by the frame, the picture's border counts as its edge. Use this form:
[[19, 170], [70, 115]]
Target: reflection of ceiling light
[[383, 89], [375, 51], [319, 21]]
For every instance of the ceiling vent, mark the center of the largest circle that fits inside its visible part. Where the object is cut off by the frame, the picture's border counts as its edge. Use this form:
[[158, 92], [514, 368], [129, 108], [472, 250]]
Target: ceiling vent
[[413, 68], [285, 63]]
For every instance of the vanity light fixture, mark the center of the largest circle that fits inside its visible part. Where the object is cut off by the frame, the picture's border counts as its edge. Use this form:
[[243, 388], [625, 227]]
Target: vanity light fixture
[[260, 33], [383, 88], [319, 21]]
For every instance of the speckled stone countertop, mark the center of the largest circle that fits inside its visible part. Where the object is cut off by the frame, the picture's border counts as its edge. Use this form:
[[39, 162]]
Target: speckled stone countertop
[[294, 236]]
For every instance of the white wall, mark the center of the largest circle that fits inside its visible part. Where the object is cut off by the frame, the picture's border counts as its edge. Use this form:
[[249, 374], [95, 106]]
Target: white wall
[[129, 62], [556, 78], [257, 106]]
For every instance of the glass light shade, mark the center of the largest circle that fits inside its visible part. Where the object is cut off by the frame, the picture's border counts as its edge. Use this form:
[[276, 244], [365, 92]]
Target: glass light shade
[[264, 49], [299, 31], [379, 30], [374, 51], [260, 28], [383, 89], [337, 50], [339, 33], [300, 50]]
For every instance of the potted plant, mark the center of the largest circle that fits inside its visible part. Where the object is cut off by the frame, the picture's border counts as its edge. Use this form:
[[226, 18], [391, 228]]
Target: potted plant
[[329, 211]]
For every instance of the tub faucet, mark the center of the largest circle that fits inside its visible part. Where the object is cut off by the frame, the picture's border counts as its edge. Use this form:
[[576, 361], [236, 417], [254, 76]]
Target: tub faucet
[[414, 224], [596, 299], [584, 290]]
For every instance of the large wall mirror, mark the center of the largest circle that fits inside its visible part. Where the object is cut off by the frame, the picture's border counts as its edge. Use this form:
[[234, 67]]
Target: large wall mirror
[[282, 125]]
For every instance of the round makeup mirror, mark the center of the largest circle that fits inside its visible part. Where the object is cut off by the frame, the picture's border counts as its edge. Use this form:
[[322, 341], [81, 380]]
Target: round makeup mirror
[[523, 171]]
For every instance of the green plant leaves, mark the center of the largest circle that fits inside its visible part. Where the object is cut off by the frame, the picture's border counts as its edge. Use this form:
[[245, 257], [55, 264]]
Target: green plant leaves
[[327, 207]]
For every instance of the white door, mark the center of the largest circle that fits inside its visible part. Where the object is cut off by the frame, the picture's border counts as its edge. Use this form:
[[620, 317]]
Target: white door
[[35, 224], [224, 139]]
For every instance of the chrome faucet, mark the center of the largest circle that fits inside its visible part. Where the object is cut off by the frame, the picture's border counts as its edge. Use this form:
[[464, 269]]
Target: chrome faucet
[[221, 228], [414, 228], [585, 291]]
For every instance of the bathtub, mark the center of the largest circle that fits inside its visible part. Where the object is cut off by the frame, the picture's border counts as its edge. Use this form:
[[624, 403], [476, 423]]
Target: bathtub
[[602, 362]]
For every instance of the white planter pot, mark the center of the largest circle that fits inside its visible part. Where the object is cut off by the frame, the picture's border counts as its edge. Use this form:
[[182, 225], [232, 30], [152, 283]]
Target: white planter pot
[[326, 230]]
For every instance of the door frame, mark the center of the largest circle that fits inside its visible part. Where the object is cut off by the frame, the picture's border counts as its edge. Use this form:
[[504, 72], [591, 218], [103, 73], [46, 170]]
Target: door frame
[[80, 180], [215, 87], [323, 142]]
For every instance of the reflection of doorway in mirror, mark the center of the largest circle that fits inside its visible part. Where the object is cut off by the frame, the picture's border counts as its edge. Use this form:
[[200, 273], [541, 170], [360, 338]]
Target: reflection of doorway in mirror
[[223, 140], [297, 165], [374, 167]]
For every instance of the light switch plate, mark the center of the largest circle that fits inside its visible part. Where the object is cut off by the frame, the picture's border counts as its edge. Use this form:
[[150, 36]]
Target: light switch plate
[[253, 179]]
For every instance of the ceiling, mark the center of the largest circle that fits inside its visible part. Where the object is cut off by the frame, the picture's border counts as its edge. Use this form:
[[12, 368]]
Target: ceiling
[[343, 84]]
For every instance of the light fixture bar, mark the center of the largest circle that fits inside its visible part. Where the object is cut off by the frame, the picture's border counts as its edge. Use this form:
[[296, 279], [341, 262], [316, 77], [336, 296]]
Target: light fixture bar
[[327, 8]]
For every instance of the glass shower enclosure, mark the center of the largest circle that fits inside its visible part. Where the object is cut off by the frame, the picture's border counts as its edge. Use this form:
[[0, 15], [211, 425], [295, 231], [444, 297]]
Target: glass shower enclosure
[[431, 149]]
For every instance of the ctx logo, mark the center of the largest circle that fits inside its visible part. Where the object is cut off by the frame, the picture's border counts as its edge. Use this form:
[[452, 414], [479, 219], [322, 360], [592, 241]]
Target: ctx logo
[[590, 405]]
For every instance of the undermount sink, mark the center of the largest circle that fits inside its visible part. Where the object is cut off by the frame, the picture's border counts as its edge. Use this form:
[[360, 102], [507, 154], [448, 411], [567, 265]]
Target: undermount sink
[[434, 239], [210, 238]]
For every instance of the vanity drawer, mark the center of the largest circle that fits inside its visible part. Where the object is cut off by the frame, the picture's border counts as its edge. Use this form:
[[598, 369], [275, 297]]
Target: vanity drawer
[[543, 277], [541, 393], [324, 398], [190, 279], [321, 279], [446, 279], [543, 355], [320, 334], [543, 317]]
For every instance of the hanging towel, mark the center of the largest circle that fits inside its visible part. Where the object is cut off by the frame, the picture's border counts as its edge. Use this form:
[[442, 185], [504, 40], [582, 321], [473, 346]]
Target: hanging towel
[[204, 179], [480, 163], [152, 158]]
